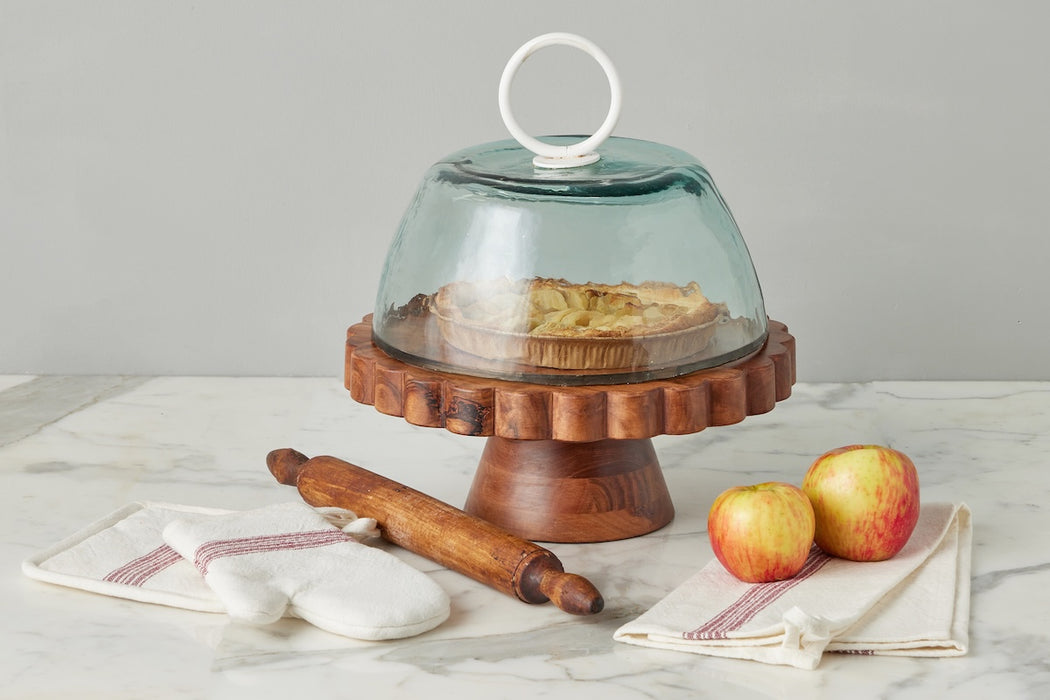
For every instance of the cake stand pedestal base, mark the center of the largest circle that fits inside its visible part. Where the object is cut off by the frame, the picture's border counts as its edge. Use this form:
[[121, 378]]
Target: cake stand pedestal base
[[555, 491]]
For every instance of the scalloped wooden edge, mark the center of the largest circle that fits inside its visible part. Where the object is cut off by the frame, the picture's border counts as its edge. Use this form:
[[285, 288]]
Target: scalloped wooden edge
[[490, 407]]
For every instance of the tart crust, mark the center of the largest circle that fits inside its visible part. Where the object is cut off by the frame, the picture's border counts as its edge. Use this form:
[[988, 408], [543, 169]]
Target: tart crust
[[558, 324]]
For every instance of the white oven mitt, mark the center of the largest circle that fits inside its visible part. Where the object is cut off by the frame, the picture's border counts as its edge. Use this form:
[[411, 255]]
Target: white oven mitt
[[289, 558]]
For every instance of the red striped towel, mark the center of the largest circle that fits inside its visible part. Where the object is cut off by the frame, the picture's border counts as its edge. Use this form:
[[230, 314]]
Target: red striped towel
[[915, 604], [283, 560], [124, 555]]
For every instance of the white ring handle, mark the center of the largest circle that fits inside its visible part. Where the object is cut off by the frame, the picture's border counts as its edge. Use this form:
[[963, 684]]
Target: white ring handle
[[549, 155]]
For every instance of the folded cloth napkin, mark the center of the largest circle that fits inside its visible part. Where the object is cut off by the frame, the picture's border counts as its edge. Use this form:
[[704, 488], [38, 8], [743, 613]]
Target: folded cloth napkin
[[914, 604], [125, 555], [265, 562]]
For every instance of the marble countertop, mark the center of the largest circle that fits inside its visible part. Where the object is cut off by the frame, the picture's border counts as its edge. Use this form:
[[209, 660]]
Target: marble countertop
[[74, 449]]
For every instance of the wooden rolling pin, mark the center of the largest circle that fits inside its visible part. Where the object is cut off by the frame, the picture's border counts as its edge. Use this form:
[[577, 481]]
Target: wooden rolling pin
[[438, 531]]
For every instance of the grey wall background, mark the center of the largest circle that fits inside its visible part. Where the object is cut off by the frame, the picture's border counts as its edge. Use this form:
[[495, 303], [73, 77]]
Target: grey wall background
[[210, 188]]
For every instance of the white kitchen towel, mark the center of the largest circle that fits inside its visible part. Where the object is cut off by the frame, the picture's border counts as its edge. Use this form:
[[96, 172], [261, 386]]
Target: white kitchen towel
[[915, 604], [124, 555], [288, 558]]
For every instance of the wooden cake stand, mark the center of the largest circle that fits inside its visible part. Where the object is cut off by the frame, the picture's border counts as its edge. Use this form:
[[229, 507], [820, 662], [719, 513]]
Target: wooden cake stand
[[570, 464]]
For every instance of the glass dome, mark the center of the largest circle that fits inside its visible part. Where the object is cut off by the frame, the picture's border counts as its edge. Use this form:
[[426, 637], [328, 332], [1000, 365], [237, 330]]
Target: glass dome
[[628, 269]]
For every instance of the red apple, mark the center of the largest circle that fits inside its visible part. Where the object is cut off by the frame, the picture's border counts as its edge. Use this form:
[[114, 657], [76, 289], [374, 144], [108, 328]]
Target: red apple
[[866, 500], [763, 532]]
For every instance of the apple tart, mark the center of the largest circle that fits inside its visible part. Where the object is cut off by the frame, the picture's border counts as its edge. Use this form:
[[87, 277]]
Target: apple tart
[[557, 324]]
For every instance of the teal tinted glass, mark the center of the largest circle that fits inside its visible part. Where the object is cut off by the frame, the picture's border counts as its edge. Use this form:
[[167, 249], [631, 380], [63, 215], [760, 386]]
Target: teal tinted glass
[[654, 277]]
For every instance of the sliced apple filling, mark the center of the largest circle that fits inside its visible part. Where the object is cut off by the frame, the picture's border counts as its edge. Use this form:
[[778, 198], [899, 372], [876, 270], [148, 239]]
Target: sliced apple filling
[[555, 307]]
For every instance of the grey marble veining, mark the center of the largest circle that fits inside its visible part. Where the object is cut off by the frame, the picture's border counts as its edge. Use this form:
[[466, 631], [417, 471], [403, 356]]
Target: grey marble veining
[[74, 449], [26, 407]]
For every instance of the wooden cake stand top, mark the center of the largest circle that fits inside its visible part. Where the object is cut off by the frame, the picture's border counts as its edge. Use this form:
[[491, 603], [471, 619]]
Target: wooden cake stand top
[[480, 406]]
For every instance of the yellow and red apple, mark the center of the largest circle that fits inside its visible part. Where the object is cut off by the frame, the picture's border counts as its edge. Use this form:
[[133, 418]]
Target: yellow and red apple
[[761, 533], [865, 499]]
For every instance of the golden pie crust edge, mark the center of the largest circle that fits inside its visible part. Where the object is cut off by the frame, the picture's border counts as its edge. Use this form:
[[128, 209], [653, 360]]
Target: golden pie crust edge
[[681, 337]]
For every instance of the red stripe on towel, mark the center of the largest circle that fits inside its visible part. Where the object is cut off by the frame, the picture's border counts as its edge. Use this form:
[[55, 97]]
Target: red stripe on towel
[[141, 569], [216, 549], [757, 598]]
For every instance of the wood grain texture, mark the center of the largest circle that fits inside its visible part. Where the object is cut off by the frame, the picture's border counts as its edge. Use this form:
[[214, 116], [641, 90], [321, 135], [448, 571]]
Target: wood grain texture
[[490, 407], [556, 491]]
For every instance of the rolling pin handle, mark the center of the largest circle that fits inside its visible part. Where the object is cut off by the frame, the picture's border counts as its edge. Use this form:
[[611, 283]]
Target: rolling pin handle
[[572, 593], [542, 578], [285, 464]]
